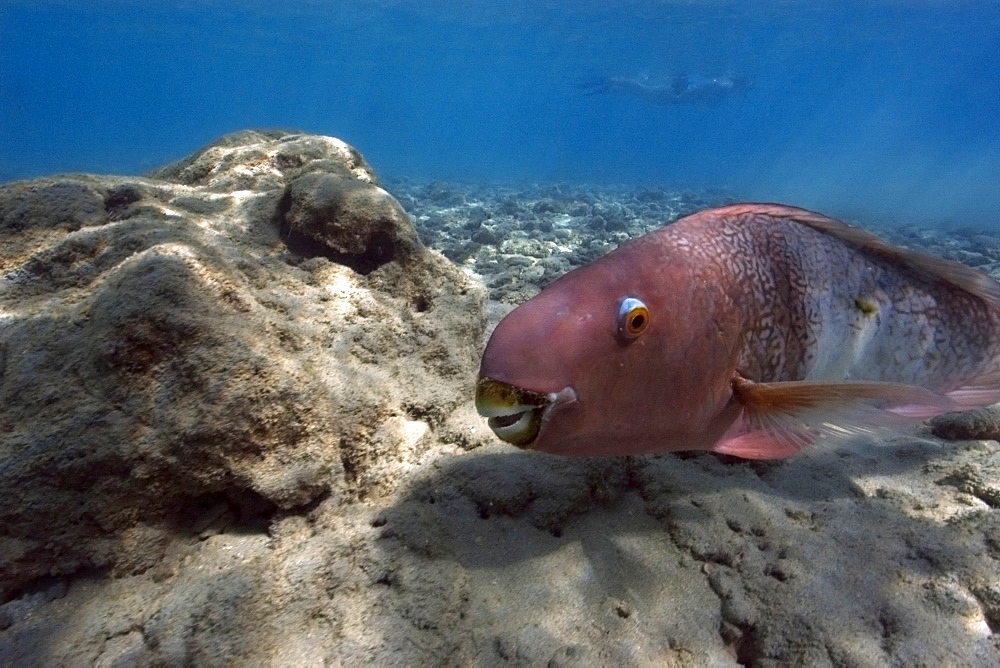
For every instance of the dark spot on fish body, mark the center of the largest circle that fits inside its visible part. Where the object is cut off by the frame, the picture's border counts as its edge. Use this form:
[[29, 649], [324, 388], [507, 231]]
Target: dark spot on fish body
[[866, 306]]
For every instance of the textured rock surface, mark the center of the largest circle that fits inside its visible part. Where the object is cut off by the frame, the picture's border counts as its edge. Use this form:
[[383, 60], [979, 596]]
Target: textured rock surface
[[979, 423], [362, 226], [286, 471], [164, 354]]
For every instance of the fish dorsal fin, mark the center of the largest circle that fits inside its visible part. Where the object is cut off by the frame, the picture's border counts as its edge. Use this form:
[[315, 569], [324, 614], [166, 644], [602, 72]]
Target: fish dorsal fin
[[780, 419], [927, 266]]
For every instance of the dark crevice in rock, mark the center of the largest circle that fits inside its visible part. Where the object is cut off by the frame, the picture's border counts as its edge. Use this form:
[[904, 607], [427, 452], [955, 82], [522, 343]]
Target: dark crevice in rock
[[989, 602], [420, 303], [746, 647], [738, 628], [305, 510], [119, 199], [349, 459], [41, 590], [241, 511]]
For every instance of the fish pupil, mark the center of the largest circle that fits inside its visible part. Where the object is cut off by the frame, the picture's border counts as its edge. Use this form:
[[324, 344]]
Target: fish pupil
[[638, 321]]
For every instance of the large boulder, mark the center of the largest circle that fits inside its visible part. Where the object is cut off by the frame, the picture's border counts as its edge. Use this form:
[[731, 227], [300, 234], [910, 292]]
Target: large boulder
[[250, 330], [353, 222]]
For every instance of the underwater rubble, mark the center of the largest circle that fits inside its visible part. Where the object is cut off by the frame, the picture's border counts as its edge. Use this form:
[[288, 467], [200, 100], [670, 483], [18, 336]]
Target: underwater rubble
[[236, 427]]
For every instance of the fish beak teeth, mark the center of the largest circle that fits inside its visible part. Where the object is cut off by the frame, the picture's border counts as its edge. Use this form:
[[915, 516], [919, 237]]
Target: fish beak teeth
[[519, 429], [514, 414]]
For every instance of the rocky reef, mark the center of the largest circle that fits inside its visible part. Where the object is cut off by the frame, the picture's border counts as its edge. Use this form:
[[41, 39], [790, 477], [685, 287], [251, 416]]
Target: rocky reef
[[235, 428], [198, 349]]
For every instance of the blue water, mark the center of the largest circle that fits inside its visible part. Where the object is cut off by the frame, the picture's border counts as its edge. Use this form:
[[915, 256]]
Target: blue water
[[875, 109]]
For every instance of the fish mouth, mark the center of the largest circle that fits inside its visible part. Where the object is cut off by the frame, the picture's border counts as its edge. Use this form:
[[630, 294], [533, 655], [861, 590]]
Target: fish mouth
[[515, 414]]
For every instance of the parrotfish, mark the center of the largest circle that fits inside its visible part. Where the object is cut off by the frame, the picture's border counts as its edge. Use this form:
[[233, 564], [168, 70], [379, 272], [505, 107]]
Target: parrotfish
[[749, 330]]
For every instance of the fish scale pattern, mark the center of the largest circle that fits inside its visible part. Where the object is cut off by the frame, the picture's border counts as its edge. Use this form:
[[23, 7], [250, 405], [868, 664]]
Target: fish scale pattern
[[816, 307]]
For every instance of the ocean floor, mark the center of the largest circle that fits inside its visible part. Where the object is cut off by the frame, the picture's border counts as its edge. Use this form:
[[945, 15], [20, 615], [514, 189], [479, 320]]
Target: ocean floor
[[424, 540], [520, 236]]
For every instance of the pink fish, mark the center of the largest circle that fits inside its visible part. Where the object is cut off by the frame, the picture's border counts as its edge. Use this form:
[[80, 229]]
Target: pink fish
[[748, 330]]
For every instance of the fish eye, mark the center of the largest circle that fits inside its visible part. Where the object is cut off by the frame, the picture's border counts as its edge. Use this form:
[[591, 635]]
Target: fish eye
[[633, 319]]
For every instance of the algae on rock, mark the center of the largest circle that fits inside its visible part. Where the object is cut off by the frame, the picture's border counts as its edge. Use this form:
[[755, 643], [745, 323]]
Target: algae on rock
[[165, 349]]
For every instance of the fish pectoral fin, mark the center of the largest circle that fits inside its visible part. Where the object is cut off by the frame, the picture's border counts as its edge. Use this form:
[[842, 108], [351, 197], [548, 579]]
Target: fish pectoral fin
[[765, 444], [977, 392], [779, 420], [791, 397]]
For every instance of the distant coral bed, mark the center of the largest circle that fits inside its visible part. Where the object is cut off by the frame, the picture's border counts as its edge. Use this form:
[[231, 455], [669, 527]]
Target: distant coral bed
[[519, 236], [236, 428]]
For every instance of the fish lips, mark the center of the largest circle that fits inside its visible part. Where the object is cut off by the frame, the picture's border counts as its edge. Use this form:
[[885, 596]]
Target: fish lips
[[517, 415]]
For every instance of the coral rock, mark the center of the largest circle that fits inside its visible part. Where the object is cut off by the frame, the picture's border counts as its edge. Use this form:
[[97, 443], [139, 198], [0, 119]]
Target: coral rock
[[165, 351]]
